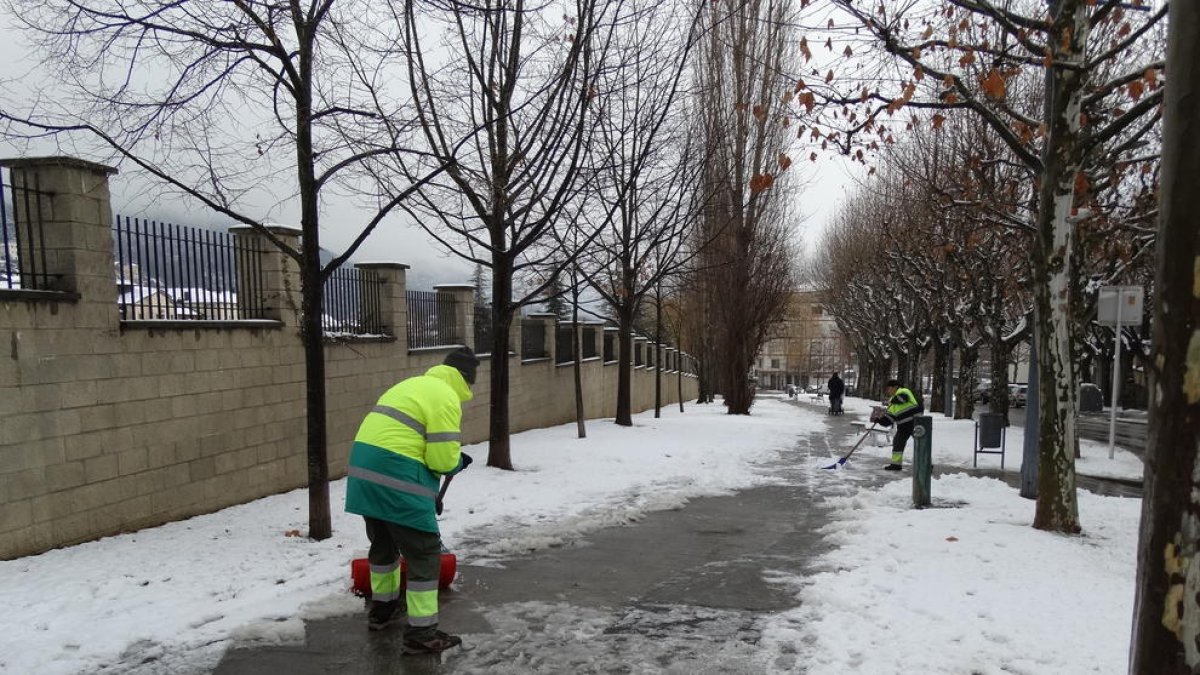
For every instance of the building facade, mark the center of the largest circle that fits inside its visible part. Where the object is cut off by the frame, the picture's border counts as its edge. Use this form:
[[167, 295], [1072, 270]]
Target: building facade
[[804, 348]]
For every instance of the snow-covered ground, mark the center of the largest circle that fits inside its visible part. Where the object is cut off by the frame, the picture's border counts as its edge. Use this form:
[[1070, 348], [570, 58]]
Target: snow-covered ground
[[967, 588]]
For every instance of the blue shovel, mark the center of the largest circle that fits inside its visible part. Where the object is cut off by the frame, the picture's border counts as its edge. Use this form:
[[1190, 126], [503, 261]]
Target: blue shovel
[[842, 461]]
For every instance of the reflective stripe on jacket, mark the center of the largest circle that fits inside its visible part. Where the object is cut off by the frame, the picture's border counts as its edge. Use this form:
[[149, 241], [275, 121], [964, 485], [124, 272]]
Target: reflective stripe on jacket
[[404, 444], [903, 406]]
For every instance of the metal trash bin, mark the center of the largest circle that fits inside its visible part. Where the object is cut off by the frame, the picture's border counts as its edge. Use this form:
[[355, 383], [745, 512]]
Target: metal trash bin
[[990, 436]]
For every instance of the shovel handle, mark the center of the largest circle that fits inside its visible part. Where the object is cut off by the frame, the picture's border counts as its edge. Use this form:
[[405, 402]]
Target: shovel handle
[[442, 494]]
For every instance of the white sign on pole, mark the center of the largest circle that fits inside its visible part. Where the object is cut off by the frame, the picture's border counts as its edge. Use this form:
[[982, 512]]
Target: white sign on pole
[[1117, 306], [1129, 298]]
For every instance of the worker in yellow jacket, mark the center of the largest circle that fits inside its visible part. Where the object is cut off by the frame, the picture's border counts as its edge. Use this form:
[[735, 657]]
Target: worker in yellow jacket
[[406, 443], [902, 410]]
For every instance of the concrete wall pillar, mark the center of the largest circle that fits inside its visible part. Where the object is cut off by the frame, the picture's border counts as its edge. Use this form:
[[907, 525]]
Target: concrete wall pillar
[[459, 329], [549, 323], [63, 214], [273, 291], [391, 282]]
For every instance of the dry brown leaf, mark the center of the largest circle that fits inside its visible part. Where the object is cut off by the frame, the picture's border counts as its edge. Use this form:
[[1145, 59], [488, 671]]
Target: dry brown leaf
[[993, 84]]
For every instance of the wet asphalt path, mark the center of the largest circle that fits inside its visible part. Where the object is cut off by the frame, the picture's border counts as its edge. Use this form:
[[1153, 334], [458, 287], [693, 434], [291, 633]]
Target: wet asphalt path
[[679, 591]]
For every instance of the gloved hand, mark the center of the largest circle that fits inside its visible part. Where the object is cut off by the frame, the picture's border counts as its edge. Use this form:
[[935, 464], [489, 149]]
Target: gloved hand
[[466, 461]]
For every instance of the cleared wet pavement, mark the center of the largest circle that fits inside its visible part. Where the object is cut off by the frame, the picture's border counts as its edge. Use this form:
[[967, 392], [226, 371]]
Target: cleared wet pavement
[[679, 591]]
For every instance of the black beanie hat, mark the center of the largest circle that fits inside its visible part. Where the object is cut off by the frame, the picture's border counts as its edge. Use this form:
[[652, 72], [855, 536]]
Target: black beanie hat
[[465, 361]]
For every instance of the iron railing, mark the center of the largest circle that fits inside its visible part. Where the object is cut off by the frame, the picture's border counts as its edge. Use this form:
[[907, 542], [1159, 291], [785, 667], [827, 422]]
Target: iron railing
[[167, 271], [23, 236], [352, 302], [483, 328], [533, 340], [431, 320], [589, 342], [564, 345]]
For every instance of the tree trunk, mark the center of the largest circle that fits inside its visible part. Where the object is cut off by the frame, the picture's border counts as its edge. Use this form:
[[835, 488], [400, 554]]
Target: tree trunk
[[679, 382], [503, 313], [1166, 621], [658, 323], [624, 365], [1057, 505], [964, 406], [937, 399], [320, 524], [577, 345], [1001, 354]]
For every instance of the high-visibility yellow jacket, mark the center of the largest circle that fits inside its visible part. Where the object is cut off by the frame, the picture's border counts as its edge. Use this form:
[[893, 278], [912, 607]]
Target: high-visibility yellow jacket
[[408, 440], [902, 407]]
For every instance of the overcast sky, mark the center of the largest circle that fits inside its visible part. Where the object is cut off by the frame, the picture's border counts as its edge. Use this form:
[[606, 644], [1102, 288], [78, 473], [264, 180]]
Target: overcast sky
[[397, 239]]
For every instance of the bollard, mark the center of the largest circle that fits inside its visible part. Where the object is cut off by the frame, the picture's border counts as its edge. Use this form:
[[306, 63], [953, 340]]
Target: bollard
[[922, 460]]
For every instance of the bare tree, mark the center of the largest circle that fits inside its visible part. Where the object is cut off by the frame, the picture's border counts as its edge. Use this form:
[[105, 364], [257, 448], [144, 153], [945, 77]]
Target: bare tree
[[218, 100], [1166, 622], [749, 262], [642, 194], [1102, 65], [520, 81]]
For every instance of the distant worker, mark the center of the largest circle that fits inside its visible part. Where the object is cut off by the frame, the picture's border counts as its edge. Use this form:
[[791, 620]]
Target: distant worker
[[837, 389], [902, 410], [404, 445]]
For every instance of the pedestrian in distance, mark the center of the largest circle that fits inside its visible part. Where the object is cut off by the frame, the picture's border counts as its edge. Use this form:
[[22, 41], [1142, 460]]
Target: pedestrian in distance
[[405, 444], [837, 389], [902, 410]]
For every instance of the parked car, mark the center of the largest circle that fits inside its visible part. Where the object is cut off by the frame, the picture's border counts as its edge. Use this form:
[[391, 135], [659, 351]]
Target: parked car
[[983, 392], [1016, 395]]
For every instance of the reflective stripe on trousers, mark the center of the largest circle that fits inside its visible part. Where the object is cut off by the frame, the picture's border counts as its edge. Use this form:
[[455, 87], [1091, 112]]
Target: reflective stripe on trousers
[[385, 582]]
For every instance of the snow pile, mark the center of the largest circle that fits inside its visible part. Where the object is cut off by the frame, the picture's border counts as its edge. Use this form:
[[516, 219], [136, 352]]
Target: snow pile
[[965, 587]]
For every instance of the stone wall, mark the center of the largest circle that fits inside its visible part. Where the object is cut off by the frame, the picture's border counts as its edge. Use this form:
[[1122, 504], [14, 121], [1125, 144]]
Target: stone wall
[[108, 426]]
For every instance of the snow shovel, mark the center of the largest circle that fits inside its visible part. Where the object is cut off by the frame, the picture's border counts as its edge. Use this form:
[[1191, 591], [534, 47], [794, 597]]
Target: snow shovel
[[842, 461]]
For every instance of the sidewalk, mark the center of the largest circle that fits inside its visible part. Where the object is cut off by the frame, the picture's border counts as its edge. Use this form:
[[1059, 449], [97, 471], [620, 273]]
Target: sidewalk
[[679, 591]]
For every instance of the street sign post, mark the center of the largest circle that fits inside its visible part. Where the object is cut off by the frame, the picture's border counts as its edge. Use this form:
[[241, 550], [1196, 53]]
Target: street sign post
[[1114, 306]]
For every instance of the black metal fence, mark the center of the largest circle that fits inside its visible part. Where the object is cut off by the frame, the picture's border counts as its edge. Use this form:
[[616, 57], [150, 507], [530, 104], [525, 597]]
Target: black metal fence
[[23, 237], [352, 302], [167, 271], [533, 340], [431, 320], [589, 342], [483, 328], [564, 346]]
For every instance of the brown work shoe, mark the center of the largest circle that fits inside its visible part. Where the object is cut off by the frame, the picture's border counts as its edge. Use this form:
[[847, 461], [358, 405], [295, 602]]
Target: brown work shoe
[[430, 642]]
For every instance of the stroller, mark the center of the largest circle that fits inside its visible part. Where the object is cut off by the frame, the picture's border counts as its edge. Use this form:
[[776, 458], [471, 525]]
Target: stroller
[[835, 404]]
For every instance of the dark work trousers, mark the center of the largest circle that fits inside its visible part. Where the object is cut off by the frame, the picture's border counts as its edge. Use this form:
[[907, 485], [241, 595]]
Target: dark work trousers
[[903, 433], [422, 553]]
